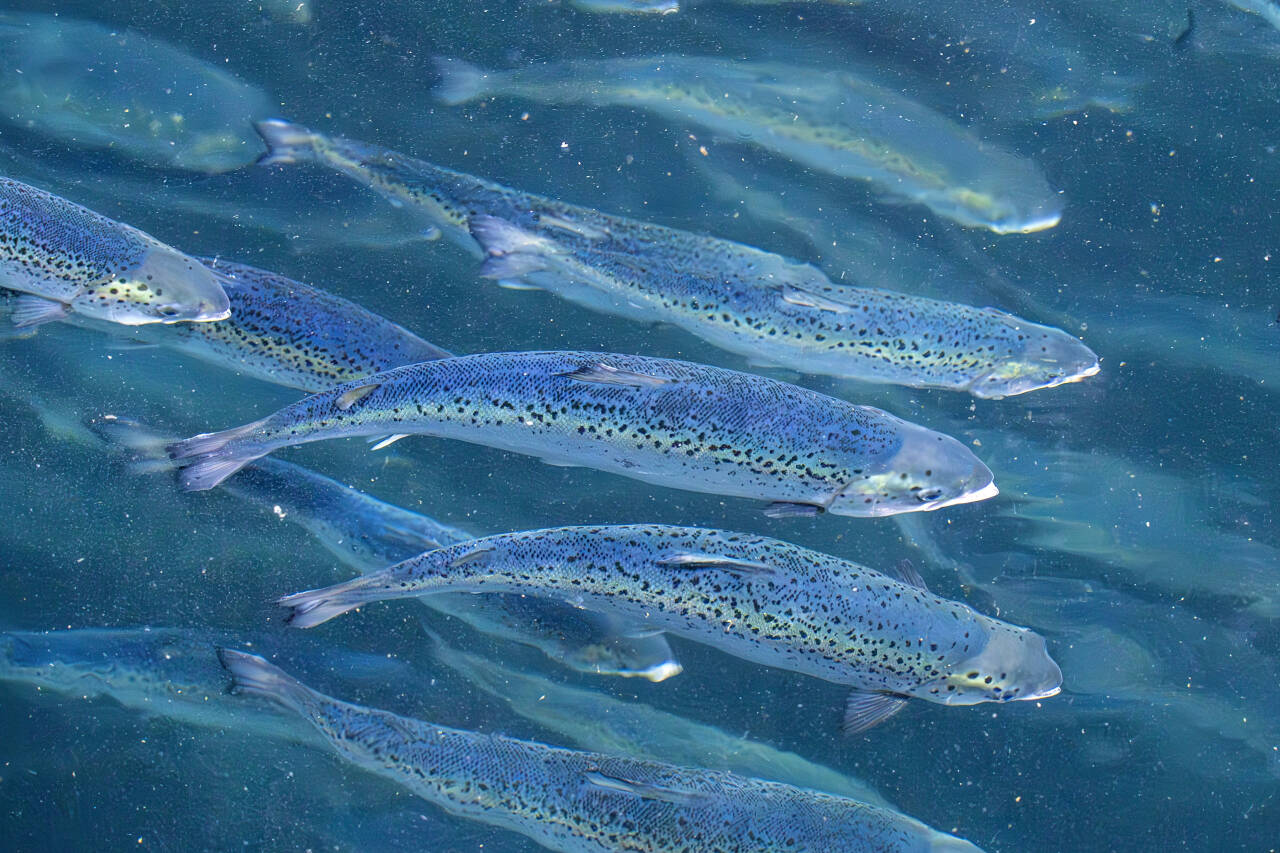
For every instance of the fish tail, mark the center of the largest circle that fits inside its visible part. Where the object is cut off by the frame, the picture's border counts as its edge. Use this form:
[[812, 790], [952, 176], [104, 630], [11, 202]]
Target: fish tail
[[459, 81], [317, 606], [286, 142], [254, 676], [209, 458], [143, 449]]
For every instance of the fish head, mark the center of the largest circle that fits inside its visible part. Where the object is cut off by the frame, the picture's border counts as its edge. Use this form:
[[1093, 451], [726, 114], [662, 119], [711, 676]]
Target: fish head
[[1014, 664], [165, 287], [1010, 211], [1043, 357], [928, 471]]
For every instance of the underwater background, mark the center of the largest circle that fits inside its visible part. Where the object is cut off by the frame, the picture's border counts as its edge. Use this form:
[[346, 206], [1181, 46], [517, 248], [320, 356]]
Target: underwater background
[[1134, 527]]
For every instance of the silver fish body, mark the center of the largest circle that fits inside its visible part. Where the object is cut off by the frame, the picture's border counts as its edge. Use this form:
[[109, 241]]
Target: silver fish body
[[95, 86], [760, 599], [828, 120], [661, 421], [568, 800], [768, 308], [69, 259]]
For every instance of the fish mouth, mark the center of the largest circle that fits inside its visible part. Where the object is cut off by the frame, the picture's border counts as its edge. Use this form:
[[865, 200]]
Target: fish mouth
[[1043, 694], [1030, 226], [659, 672], [987, 491]]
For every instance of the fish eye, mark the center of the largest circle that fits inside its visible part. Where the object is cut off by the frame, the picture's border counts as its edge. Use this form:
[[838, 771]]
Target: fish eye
[[169, 310], [931, 495]]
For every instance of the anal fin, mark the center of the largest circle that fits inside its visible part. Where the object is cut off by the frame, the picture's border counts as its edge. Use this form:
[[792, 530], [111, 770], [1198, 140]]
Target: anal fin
[[866, 710]]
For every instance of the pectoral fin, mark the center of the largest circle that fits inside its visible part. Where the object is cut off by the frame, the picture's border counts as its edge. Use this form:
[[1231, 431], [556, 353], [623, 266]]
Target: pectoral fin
[[30, 311], [604, 374], [643, 790], [716, 561], [354, 395], [906, 572], [470, 557], [866, 710]]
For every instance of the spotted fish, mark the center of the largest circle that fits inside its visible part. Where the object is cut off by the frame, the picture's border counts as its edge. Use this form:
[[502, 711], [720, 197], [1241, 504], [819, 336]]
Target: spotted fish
[[770, 309], [584, 801], [65, 259], [368, 534], [290, 333], [665, 422], [760, 599], [285, 332]]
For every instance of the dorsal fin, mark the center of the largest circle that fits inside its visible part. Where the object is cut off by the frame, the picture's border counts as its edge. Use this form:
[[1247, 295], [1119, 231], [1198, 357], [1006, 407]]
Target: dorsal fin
[[470, 556], [716, 561], [793, 295], [354, 395], [906, 572], [643, 790], [606, 374]]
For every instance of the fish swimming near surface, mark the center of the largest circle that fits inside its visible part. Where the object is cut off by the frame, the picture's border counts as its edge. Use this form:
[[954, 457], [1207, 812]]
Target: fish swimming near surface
[[91, 85], [825, 119], [368, 534], [285, 332], [767, 308], [599, 722], [760, 599], [661, 421], [67, 259], [568, 800]]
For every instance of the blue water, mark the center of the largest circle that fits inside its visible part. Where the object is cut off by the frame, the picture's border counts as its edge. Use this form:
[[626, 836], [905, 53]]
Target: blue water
[[1135, 527]]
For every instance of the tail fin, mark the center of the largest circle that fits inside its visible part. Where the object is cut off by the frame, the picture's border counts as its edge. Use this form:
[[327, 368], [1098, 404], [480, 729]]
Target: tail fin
[[142, 447], [286, 142], [459, 81], [317, 606], [213, 457], [254, 676]]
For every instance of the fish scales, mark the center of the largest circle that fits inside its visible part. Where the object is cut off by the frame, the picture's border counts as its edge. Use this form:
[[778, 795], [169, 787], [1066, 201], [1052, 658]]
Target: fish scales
[[765, 307], [661, 421], [757, 598], [569, 800]]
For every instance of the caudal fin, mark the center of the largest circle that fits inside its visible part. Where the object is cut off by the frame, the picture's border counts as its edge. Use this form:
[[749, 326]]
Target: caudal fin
[[254, 676], [459, 81], [317, 606], [142, 447], [209, 458], [286, 142]]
